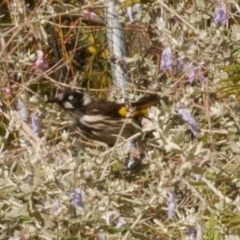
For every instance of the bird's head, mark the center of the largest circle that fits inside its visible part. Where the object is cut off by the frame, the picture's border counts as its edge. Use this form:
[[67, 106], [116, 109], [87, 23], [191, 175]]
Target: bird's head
[[71, 100]]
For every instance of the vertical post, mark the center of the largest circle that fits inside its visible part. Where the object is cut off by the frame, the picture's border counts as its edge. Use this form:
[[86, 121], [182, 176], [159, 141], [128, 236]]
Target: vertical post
[[116, 44], [117, 47]]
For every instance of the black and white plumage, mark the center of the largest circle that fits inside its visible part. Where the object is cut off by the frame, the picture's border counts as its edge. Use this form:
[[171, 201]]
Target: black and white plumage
[[102, 120]]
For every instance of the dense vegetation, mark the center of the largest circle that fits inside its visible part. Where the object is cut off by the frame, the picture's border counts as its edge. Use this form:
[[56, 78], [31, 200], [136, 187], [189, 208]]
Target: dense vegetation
[[55, 186]]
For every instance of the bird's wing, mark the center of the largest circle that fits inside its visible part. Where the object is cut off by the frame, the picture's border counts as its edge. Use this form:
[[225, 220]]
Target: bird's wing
[[112, 109], [106, 108]]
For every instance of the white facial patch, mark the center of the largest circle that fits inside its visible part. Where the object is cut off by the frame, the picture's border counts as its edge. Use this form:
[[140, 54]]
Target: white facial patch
[[86, 99], [68, 105]]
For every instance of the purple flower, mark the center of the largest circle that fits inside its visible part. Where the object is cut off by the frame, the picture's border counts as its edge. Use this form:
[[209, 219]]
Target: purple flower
[[194, 72], [77, 197], [186, 115], [220, 14], [167, 59]]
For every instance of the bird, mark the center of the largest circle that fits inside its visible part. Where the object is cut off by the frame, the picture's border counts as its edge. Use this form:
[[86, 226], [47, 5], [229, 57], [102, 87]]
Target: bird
[[102, 120]]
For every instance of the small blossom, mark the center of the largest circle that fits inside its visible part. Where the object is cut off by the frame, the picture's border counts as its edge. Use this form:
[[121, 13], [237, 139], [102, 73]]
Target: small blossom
[[77, 197], [194, 72], [186, 115], [87, 175], [220, 15], [8, 91], [68, 40], [41, 63], [167, 59], [89, 15]]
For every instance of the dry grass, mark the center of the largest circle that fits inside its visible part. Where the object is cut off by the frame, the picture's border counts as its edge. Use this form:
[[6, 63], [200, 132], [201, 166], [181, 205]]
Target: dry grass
[[54, 186]]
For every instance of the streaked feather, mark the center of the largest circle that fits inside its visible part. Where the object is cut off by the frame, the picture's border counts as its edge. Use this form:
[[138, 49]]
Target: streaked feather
[[102, 120]]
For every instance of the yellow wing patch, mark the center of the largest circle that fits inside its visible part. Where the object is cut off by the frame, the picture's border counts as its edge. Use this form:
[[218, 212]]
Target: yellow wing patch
[[123, 112], [139, 108]]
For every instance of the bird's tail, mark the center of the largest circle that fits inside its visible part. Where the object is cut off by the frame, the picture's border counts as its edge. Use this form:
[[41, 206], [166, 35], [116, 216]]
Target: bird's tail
[[140, 106]]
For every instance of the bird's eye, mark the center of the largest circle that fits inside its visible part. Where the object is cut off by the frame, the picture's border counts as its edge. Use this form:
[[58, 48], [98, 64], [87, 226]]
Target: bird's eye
[[70, 97]]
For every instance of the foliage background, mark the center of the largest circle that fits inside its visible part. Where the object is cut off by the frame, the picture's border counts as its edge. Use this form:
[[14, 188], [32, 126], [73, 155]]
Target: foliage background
[[58, 188]]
